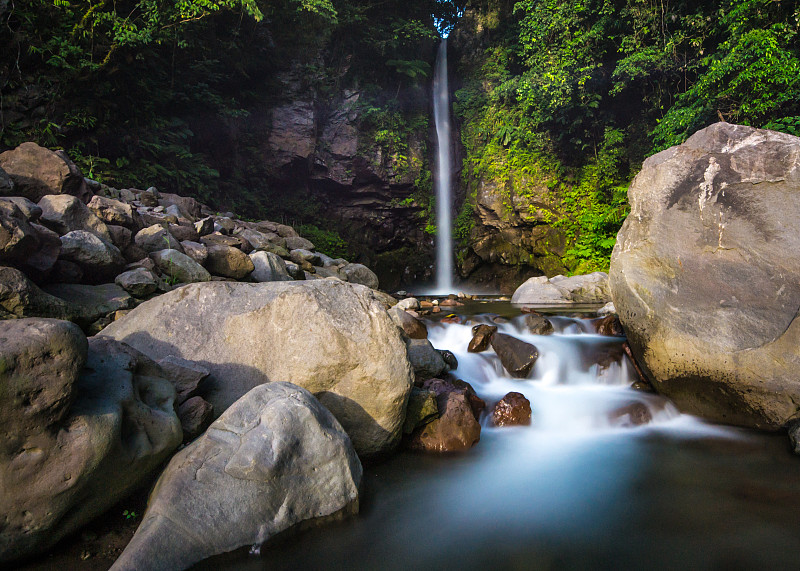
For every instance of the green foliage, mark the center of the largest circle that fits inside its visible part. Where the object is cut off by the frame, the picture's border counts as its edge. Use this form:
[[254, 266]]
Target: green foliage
[[329, 242], [129, 514]]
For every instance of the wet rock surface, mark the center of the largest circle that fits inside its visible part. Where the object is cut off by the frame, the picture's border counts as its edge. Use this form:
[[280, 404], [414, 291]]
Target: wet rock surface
[[457, 427], [481, 338], [512, 410], [517, 356]]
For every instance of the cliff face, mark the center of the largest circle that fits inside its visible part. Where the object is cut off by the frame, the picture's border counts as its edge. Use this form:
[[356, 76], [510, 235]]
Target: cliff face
[[508, 226], [369, 182]]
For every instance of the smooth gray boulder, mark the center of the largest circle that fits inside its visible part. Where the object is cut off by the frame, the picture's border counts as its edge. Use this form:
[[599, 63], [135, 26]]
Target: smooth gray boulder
[[705, 275], [120, 427], [180, 267], [589, 288], [269, 267], [63, 213], [100, 261], [274, 459], [333, 338], [360, 274]]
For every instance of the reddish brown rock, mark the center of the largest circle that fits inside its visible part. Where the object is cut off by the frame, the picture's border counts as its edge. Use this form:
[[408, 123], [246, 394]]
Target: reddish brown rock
[[609, 326], [517, 357], [481, 337], [457, 427], [512, 410], [451, 319], [37, 172]]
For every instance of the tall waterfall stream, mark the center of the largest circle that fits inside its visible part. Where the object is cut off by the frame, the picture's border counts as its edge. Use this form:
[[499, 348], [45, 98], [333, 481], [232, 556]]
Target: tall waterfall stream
[[444, 168]]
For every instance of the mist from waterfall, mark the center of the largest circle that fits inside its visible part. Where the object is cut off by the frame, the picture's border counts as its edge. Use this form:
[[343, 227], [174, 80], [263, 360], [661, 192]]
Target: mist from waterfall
[[444, 171]]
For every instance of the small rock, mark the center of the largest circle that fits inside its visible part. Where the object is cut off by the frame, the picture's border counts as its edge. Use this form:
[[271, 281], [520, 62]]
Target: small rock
[[155, 238], [456, 429], [139, 282], [632, 414], [196, 251], [184, 374], [609, 326], [218, 239], [425, 360], [412, 326], [228, 262], [299, 256], [607, 309], [538, 324], [421, 409], [512, 410], [295, 271], [30, 210], [794, 437], [121, 237], [195, 415], [298, 243], [180, 267], [115, 212], [360, 274], [204, 227], [517, 357], [100, 261], [182, 232], [408, 303], [224, 225], [481, 337], [269, 267], [449, 359]]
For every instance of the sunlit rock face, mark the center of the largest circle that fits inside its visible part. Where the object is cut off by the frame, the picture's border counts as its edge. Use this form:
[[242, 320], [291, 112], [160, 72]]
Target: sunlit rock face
[[705, 274]]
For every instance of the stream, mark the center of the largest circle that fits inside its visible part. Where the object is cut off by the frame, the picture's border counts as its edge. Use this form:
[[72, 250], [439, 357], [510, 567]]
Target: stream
[[584, 487]]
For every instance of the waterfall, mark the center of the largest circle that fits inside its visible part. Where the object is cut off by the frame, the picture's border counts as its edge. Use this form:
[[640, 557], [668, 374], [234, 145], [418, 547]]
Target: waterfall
[[444, 224]]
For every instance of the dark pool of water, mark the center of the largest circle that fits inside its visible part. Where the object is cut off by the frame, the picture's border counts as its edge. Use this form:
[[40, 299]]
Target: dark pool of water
[[675, 494]]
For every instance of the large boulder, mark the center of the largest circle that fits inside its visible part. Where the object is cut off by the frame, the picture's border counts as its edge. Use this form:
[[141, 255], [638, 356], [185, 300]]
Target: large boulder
[[37, 171], [63, 213], [100, 261], [20, 297], [120, 427], [589, 288], [41, 359], [705, 276], [274, 459], [91, 302], [457, 427], [332, 338]]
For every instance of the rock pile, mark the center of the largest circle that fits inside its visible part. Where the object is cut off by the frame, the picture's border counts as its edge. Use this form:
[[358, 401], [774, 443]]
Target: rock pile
[[56, 227]]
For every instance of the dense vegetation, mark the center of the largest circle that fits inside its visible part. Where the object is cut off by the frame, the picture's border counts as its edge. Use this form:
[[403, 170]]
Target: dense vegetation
[[569, 94], [573, 94]]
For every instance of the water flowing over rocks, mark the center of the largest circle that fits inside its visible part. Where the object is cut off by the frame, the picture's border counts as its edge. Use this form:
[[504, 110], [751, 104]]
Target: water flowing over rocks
[[333, 338], [91, 438], [276, 458], [706, 279]]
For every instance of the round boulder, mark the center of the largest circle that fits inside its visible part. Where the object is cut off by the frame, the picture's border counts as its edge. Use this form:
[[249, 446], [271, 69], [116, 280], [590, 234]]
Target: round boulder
[[705, 275]]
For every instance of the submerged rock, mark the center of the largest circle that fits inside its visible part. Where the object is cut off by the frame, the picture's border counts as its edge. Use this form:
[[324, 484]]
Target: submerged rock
[[708, 300], [333, 338], [274, 459]]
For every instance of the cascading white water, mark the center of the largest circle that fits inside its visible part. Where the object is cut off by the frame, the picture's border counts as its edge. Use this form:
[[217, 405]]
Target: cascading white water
[[441, 116]]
